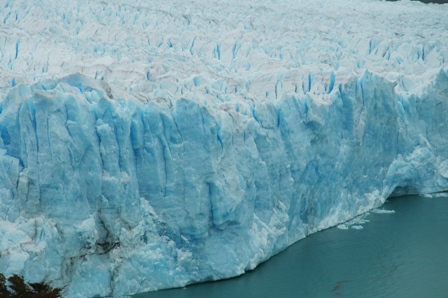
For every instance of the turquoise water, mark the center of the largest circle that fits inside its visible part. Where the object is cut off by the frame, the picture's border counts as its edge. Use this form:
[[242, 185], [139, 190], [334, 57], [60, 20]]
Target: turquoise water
[[401, 254]]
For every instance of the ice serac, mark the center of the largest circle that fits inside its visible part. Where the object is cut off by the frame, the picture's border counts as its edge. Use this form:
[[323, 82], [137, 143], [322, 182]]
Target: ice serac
[[178, 145]]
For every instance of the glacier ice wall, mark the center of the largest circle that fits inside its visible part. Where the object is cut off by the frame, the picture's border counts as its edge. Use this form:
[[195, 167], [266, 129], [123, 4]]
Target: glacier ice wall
[[146, 146]]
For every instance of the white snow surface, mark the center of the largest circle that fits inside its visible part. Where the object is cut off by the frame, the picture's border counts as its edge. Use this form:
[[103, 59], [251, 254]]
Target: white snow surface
[[153, 144]]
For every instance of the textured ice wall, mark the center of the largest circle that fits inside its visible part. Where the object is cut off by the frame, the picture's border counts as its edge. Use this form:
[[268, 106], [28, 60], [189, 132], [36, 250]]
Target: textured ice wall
[[138, 160]]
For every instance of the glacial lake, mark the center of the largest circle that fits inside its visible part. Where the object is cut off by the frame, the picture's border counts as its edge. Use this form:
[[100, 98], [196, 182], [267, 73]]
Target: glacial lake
[[400, 254]]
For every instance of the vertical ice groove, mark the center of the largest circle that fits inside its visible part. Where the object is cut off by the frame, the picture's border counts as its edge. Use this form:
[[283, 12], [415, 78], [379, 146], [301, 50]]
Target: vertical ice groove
[[332, 81], [17, 48], [235, 50], [278, 117], [218, 51], [218, 137], [165, 156], [310, 81]]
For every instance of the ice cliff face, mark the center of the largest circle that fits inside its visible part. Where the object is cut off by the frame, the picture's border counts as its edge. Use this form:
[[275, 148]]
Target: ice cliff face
[[152, 145]]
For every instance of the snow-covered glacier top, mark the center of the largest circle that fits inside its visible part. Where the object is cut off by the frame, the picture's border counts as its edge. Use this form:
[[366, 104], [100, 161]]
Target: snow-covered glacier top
[[245, 49], [153, 144]]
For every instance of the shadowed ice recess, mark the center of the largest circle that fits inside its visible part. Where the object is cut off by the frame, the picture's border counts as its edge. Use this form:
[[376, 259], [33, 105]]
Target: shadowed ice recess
[[153, 145]]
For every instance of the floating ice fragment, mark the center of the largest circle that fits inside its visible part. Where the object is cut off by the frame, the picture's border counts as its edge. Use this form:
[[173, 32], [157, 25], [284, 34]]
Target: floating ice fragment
[[436, 195], [383, 211]]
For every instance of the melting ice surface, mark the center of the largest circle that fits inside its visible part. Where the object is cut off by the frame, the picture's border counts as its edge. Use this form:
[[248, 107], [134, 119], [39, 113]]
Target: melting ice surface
[[147, 145]]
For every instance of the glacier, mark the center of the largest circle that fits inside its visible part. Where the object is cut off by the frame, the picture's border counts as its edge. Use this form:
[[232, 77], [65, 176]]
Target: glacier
[[146, 144]]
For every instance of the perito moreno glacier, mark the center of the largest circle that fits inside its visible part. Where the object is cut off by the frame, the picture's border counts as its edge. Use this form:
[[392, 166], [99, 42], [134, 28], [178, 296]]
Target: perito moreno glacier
[[153, 144]]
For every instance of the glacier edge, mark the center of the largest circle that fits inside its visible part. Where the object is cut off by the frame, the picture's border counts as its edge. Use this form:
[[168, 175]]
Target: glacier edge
[[112, 196]]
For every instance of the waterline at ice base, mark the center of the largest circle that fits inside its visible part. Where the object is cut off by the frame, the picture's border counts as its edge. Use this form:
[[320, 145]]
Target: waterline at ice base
[[149, 145]]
